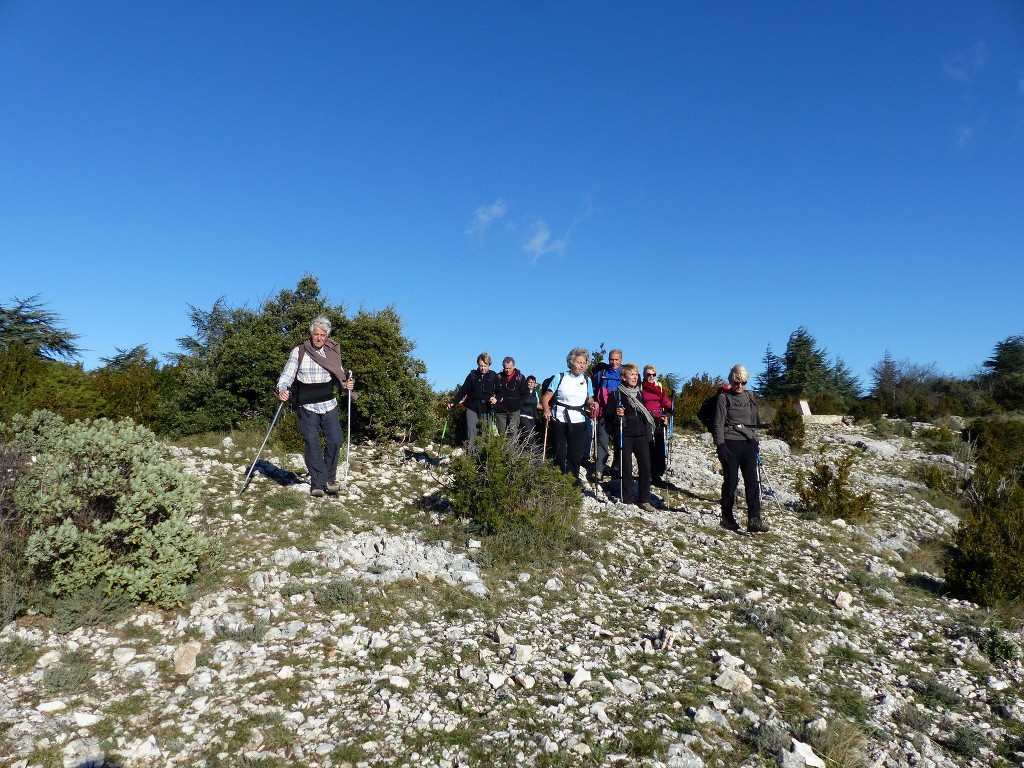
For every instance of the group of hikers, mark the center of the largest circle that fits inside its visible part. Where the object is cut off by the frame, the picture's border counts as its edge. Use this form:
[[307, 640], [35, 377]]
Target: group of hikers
[[626, 418]]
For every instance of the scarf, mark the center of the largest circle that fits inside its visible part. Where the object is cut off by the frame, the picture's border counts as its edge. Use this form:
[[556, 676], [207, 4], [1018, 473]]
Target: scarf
[[631, 394], [332, 362]]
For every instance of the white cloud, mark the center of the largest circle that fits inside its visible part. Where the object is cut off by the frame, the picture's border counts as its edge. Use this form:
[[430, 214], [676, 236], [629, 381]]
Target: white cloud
[[540, 242], [483, 218], [964, 66]]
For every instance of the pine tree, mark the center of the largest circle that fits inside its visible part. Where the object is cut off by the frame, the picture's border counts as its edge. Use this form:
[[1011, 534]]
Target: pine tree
[[807, 370], [27, 324], [771, 381]]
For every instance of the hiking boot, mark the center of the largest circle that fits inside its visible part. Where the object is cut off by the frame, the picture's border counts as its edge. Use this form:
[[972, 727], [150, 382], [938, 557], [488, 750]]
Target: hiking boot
[[729, 523], [649, 508], [316, 493], [333, 488], [756, 526]]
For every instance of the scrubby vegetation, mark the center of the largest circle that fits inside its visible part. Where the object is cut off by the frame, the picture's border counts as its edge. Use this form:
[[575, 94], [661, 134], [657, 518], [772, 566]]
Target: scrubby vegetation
[[826, 492], [95, 513], [505, 484], [986, 561]]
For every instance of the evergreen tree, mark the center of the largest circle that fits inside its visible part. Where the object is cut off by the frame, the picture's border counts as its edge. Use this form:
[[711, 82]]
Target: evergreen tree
[[845, 386], [884, 381], [129, 383], [771, 381], [807, 370], [1006, 372], [27, 324]]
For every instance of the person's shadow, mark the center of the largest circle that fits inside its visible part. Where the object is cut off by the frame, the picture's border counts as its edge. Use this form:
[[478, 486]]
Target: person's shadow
[[271, 472]]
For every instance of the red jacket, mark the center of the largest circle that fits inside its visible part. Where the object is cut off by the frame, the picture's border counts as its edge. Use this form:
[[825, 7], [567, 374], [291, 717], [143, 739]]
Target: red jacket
[[655, 400]]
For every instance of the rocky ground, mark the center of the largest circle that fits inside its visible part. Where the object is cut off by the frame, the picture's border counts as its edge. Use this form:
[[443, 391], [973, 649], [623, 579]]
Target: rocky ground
[[370, 629]]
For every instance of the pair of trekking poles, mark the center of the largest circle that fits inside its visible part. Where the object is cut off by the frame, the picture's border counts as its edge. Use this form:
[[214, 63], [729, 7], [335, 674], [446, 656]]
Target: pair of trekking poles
[[348, 441]]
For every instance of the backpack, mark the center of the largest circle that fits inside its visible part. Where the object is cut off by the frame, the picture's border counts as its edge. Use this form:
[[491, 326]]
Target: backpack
[[706, 412]]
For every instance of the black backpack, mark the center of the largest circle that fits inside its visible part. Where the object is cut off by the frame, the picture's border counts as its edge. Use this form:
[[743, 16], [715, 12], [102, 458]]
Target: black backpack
[[706, 412]]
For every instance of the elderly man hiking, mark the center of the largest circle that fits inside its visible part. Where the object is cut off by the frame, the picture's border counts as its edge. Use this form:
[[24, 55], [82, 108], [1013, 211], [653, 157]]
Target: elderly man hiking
[[312, 370]]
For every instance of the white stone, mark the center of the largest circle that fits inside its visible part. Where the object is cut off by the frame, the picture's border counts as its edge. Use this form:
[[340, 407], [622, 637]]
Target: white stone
[[522, 653], [844, 600], [122, 656], [496, 680], [85, 719], [805, 751], [734, 681], [580, 677], [48, 707]]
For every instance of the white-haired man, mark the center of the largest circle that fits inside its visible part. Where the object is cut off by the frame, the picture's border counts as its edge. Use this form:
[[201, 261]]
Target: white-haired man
[[312, 370]]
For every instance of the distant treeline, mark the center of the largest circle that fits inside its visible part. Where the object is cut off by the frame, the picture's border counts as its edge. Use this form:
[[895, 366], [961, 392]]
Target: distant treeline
[[223, 379]]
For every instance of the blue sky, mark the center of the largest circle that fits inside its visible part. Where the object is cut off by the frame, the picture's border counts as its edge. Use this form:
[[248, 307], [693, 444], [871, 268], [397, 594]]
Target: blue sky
[[689, 181]]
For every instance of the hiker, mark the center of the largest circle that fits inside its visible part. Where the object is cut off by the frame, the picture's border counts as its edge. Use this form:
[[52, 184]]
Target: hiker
[[631, 425], [657, 401], [312, 370], [736, 444], [606, 381], [528, 408], [510, 392], [478, 392], [565, 405]]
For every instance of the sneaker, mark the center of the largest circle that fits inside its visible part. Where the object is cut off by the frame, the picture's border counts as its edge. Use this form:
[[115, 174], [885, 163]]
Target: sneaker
[[333, 488], [729, 523], [316, 493], [756, 526]]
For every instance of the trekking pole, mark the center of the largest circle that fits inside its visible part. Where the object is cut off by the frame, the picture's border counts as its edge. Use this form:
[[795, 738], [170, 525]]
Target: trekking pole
[[762, 471], [622, 480], [248, 475], [445, 427], [544, 450], [348, 431]]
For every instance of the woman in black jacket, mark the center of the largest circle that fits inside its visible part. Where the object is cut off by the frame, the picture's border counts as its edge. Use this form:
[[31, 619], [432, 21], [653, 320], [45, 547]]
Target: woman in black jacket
[[632, 424], [477, 393]]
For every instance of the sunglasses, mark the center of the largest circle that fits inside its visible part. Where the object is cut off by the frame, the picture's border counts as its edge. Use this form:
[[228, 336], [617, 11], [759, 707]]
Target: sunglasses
[[651, 375]]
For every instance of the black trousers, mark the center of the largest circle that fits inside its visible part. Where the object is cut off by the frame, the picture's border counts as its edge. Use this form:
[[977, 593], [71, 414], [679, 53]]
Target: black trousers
[[742, 458], [570, 445], [658, 453], [639, 447]]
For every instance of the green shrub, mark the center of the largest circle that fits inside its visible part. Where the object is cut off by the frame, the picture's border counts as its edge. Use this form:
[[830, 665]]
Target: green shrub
[[105, 504], [504, 483], [691, 395], [91, 605], [70, 674], [788, 425], [337, 593], [826, 493], [986, 561]]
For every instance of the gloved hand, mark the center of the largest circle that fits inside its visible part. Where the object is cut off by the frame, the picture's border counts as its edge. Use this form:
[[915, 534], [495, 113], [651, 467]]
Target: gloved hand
[[723, 453]]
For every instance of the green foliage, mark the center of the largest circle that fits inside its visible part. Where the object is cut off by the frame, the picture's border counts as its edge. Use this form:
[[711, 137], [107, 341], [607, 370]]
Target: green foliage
[[130, 382], [28, 325], [394, 401], [826, 493], [805, 372], [90, 606], [70, 675], [105, 504], [226, 374], [986, 562], [1006, 372], [505, 484], [693, 393], [788, 425], [337, 593]]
